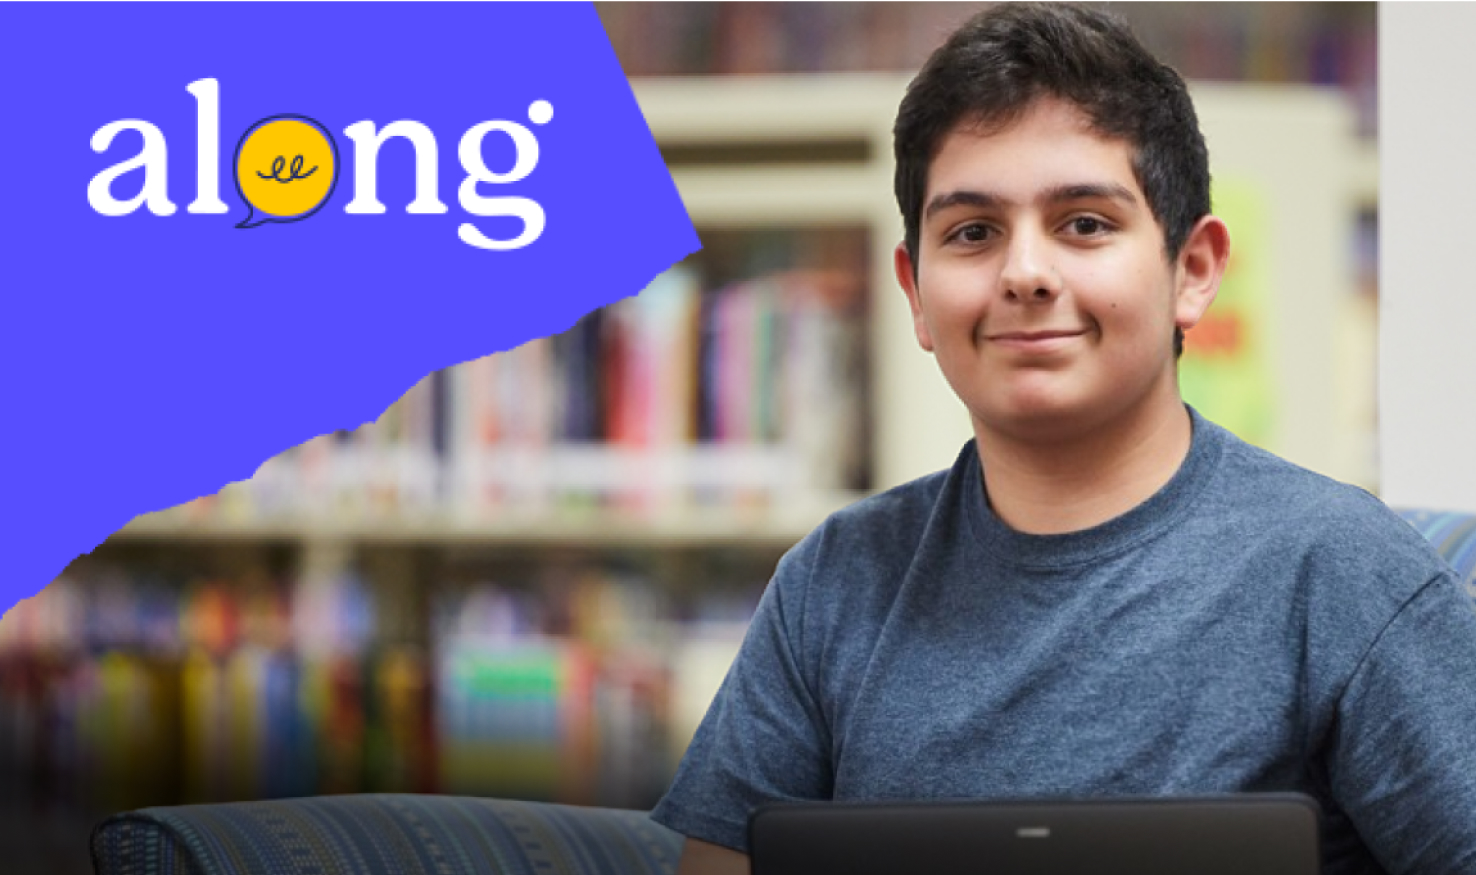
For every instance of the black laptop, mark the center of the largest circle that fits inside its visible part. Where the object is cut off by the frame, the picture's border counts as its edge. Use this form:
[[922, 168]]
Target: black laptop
[[1252, 834]]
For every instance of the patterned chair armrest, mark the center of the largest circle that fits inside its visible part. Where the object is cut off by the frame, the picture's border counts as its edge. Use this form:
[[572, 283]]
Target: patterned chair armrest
[[1454, 537], [383, 834]]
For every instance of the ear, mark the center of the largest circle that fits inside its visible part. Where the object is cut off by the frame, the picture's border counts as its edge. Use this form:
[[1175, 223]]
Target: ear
[[907, 280], [1200, 266]]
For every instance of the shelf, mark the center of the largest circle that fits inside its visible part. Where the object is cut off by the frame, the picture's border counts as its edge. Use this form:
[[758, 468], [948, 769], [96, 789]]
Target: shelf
[[759, 108], [770, 196], [768, 528]]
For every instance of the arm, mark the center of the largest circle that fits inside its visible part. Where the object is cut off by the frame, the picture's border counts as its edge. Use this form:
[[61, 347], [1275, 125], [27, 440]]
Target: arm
[[764, 737], [704, 858], [1401, 764]]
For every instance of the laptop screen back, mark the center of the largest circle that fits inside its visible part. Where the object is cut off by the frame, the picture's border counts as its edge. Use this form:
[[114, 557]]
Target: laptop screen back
[[1273, 834]]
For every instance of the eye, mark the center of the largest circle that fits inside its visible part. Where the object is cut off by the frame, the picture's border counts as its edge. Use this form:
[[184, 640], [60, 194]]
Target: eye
[[974, 232], [1087, 226]]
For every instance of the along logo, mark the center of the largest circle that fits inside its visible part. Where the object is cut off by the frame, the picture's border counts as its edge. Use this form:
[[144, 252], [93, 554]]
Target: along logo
[[287, 192], [287, 167]]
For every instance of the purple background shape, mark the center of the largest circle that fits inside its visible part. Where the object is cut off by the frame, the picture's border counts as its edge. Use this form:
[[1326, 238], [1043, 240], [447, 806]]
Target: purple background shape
[[150, 360]]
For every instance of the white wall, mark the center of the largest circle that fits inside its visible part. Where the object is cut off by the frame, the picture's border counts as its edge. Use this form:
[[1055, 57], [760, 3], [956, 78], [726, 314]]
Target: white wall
[[1427, 272]]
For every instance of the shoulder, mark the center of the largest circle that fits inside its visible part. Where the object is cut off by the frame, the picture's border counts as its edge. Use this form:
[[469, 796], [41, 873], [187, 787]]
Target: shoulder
[[1345, 542], [896, 515], [1325, 563], [889, 526], [852, 563], [1306, 504]]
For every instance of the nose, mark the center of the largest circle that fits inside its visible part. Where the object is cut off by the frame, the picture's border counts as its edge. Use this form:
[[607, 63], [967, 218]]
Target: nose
[[1028, 274]]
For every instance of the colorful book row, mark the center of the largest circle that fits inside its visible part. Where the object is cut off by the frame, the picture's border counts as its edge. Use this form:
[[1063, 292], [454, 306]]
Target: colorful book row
[[750, 392], [127, 689]]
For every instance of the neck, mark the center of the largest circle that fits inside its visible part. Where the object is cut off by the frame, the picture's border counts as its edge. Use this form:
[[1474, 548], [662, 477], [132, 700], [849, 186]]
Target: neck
[[1083, 480]]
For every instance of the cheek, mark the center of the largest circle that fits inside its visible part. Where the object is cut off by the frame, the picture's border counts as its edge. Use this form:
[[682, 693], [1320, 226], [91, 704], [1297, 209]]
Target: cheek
[[1132, 326], [950, 306]]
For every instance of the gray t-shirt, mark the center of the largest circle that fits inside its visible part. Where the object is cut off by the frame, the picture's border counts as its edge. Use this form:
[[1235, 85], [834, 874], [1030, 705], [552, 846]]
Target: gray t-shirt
[[1251, 627]]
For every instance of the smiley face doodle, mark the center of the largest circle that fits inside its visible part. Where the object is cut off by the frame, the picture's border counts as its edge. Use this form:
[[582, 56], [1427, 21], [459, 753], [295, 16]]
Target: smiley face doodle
[[286, 168]]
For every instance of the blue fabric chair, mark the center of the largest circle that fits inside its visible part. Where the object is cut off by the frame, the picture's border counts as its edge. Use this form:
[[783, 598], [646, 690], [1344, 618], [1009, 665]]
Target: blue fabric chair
[[383, 834], [402, 834], [1454, 535]]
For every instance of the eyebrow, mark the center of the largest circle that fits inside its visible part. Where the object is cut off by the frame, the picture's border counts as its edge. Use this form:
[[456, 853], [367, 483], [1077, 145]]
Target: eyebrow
[[1059, 194]]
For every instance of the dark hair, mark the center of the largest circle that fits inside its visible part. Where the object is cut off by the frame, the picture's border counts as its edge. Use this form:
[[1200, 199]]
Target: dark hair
[[994, 67]]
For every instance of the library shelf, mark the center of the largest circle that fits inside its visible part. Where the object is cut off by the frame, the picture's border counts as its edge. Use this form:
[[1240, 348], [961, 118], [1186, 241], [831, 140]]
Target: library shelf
[[733, 527]]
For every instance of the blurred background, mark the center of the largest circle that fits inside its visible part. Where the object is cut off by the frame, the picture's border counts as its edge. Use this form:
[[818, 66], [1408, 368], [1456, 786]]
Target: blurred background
[[528, 576]]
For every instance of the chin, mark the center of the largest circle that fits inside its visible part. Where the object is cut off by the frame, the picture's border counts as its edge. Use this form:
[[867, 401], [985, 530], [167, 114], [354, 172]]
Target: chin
[[1036, 418]]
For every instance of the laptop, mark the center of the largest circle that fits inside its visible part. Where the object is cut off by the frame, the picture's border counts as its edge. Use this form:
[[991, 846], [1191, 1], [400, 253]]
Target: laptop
[[1249, 834]]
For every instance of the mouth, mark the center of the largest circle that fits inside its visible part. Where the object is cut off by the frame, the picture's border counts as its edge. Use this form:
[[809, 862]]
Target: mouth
[[1035, 341], [1036, 335]]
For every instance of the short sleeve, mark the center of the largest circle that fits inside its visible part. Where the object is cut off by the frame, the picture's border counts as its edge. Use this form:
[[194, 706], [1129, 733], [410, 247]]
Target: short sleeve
[[764, 738], [1403, 760]]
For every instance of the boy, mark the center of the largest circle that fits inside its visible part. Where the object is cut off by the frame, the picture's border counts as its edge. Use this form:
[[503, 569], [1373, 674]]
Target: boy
[[1106, 594]]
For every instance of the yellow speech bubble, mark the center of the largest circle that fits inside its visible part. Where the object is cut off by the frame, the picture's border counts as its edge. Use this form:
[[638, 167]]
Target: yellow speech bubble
[[286, 167]]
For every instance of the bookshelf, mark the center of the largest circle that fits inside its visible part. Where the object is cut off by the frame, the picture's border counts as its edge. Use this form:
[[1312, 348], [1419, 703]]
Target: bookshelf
[[490, 599]]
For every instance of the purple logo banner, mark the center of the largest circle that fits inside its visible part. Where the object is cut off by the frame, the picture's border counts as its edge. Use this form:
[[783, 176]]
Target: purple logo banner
[[229, 228]]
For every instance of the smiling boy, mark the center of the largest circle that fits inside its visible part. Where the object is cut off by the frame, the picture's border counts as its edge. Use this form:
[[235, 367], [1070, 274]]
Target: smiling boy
[[1051, 307], [1106, 594]]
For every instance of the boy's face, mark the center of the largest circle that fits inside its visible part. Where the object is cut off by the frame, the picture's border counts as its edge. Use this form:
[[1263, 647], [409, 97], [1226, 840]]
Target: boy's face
[[1042, 284]]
